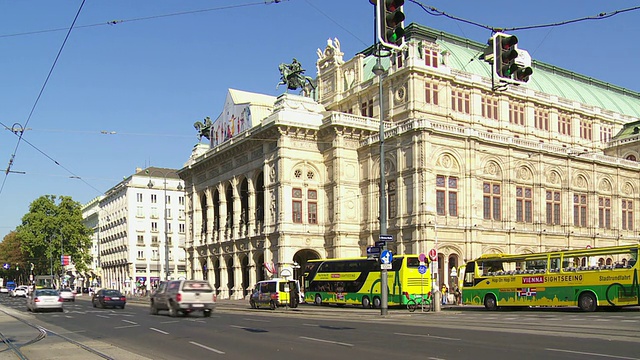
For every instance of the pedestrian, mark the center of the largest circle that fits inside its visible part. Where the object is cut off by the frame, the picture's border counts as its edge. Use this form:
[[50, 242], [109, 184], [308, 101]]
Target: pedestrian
[[458, 294], [445, 293]]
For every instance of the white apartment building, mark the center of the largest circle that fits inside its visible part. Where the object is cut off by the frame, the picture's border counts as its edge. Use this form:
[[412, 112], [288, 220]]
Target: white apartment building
[[139, 228], [547, 165]]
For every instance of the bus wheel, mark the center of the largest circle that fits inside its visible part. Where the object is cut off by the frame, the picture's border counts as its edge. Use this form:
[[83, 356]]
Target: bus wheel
[[490, 302], [587, 302], [318, 300], [366, 303], [377, 303]]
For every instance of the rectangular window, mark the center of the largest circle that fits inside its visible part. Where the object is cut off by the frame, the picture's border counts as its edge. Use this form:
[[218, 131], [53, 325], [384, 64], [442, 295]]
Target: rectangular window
[[154, 241], [181, 200], [541, 119], [627, 214], [154, 212], [139, 197], [168, 214], [586, 130], [491, 201], [154, 198], [460, 101], [154, 226], [564, 124], [489, 107], [140, 211], [140, 240], [155, 254], [605, 133], [181, 214], [524, 204], [431, 58], [553, 207], [516, 114], [167, 199], [399, 58], [580, 210], [447, 195], [391, 199], [297, 205], [140, 254], [181, 228], [604, 212], [431, 93], [312, 206]]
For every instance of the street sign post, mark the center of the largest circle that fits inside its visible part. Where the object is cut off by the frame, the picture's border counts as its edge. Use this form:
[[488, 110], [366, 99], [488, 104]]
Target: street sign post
[[387, 238], [433, 254], [371, 250]]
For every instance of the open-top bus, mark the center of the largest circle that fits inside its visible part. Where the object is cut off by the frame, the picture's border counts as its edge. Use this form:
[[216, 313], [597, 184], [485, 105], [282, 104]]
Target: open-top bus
[[356, 281], [587, 278]]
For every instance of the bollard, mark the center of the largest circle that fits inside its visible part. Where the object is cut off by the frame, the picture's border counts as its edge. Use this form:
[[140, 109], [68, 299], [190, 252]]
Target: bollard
[[437, 300]]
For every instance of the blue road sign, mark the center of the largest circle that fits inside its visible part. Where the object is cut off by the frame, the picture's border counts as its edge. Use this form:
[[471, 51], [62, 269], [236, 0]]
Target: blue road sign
[[422, 269], [373, 250], [388, 238], [386, 257], [6, 266], [380, 243]]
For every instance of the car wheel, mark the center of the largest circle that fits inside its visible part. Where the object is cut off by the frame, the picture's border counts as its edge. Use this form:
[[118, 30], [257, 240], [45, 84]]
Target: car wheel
[[172, 310], [490, 302], [318, 300], [588, 302], [377, 303], [206, 313]]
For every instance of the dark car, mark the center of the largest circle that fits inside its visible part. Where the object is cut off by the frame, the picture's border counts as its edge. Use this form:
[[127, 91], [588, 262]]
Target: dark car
[[109, 298]]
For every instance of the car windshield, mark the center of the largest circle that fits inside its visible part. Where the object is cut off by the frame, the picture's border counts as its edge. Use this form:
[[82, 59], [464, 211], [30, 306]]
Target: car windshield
[[47, 293], [112, 293], [65, 290]]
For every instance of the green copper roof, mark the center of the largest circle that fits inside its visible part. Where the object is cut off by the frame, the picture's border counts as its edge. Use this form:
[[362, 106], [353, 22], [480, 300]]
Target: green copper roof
[[464, 53]]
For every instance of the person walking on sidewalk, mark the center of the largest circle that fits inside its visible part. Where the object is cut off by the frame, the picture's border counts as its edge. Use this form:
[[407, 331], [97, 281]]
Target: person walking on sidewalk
[[445, 293]]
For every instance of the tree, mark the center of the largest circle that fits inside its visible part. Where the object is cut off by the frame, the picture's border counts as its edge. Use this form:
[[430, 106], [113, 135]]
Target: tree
[[52, 229], [12, 254]]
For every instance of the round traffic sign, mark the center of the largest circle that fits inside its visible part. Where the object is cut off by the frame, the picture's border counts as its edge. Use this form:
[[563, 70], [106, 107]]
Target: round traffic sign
[[422, 269], [433, 254], [422, 257]]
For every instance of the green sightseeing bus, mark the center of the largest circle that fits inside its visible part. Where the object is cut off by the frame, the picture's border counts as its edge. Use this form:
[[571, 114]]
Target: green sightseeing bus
[[586, 278], [356, 281]]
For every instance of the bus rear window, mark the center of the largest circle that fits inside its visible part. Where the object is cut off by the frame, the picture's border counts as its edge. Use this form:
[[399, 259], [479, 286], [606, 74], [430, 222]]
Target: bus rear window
[[413, 262]]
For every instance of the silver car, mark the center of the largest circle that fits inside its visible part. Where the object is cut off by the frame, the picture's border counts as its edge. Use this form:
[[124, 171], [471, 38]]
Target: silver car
[[68, 294], [20, 291], [44, 299]]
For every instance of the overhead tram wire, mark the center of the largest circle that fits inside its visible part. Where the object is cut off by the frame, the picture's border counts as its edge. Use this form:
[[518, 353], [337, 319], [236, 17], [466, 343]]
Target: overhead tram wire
[[115, 22], [603, 15], [72, 174], [33, 108]]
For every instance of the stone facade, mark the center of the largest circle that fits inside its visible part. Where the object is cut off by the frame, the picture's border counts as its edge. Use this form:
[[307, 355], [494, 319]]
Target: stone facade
[[468, 170]]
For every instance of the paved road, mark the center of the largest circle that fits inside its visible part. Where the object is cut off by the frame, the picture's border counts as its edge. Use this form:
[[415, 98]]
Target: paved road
[[310, 332]]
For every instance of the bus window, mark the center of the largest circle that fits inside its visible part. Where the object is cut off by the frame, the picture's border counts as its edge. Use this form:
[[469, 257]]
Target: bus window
[[554, 264], [469, 274]]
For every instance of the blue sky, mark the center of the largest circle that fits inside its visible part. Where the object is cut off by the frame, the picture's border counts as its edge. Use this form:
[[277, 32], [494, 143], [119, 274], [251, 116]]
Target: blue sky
[[145, 80]]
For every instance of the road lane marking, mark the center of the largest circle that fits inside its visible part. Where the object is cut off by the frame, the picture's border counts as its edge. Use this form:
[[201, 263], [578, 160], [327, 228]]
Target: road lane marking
[[593, 354], [206, 347], [256, 320], [160, 331], [428, 336], [103, 316], [327, 341], [126, 326], [130, 322], [169, 322]]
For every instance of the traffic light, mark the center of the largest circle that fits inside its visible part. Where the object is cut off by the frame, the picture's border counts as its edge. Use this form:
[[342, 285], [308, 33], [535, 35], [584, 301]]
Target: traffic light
[[390, 23], [510, 64], [504, 55]]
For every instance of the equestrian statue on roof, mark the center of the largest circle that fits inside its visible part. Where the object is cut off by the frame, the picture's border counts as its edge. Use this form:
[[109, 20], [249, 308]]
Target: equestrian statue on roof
[[293, 76]]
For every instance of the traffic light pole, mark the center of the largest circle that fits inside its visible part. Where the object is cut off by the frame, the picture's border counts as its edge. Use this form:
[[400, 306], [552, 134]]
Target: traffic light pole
[[384, 301]]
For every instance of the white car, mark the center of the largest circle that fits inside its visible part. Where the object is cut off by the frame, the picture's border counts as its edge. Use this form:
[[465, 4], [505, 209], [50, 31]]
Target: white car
[[68, 294], [4, 290], [21, 291], [44, 299]]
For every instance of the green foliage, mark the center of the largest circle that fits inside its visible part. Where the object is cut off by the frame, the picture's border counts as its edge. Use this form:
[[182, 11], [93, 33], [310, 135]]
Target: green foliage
[[11, 253], [53, 227]]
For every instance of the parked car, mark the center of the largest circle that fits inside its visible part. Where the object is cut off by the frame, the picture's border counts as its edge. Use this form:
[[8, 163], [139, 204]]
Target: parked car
[[20, 291], [44, 299], [68, 295], [4, 290], [109, 297], [184, 297]]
